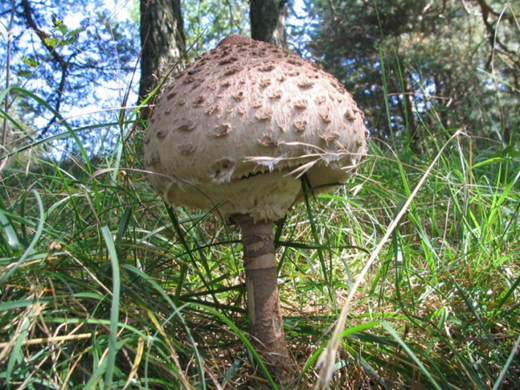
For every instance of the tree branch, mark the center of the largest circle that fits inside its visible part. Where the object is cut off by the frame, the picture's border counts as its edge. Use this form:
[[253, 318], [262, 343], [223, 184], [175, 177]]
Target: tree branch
[[60, 60]]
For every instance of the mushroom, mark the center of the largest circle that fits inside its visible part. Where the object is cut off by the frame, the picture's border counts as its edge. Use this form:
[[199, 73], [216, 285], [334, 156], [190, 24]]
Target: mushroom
[[235, 133]]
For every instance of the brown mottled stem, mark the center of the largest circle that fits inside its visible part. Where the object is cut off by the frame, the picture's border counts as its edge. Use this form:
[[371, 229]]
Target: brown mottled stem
[[265, 317]]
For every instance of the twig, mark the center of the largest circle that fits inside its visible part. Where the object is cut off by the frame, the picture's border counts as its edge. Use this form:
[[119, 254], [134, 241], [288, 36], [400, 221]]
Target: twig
[[8, 73], [53, 339]]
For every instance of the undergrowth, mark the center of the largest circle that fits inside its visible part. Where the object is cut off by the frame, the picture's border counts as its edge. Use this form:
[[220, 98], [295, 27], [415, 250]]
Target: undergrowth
[[104, 286]]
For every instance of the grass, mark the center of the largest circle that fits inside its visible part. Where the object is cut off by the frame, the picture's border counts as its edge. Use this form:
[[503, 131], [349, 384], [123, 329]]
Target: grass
[[103, 286]]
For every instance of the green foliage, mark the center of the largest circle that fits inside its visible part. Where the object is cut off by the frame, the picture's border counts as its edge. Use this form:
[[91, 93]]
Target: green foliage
[[62, 35], [103, 286], [207, 22], [426, 60]]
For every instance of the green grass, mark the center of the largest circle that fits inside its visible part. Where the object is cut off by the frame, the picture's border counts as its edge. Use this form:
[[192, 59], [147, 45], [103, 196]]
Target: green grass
[[103, 286]]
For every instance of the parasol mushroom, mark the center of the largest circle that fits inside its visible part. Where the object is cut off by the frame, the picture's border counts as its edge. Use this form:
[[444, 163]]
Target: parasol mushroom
[[234, 133]]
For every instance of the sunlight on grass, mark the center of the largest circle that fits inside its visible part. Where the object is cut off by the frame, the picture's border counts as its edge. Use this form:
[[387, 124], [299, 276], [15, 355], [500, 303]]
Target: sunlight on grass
[[102, 286]]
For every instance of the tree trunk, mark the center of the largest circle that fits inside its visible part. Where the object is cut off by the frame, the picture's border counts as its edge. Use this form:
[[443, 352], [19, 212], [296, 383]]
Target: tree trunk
[[268, 21], [162, 41], [265, 317]]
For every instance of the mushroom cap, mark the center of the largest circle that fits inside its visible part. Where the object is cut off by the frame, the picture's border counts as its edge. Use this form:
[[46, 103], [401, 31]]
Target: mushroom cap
[[238, 127]]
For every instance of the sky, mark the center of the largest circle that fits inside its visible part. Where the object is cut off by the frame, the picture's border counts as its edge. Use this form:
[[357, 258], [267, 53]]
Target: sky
[[109, 95], [120, 10]]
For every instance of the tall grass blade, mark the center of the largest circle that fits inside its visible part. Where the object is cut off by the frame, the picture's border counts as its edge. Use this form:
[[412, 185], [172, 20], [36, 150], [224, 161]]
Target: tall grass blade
[[505, 370], [9, 236], [326, 360], [32, 245], [410, 353], [114, 312]]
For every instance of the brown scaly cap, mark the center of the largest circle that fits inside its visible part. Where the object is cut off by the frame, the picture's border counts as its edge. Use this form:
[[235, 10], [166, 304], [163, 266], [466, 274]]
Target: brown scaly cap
[[238, 126]]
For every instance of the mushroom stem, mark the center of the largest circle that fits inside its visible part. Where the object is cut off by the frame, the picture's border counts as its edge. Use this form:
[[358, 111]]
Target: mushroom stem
[[265, 317]]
